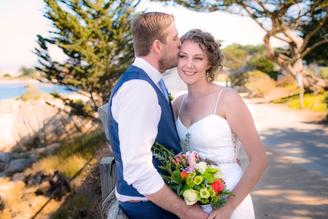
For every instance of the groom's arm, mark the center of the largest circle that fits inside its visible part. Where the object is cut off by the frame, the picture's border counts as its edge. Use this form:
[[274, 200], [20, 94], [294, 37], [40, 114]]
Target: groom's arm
[[137, 112], [168, 200], [136, 109]]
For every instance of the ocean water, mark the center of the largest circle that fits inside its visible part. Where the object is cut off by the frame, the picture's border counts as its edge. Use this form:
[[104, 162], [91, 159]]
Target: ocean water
[[13, 90]]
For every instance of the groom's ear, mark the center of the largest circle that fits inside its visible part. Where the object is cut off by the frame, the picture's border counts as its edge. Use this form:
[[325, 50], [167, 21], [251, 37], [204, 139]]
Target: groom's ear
[[157, 46]]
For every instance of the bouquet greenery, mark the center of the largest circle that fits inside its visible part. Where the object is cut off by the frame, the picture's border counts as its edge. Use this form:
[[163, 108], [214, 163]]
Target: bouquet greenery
[[192, 178]]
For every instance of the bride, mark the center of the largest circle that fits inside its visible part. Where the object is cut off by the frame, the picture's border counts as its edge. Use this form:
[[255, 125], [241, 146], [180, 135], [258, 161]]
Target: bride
[[212, 119]]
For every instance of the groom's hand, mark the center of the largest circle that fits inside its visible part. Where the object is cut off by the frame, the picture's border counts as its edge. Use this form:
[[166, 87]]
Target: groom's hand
[[168, 200], [194, 211]]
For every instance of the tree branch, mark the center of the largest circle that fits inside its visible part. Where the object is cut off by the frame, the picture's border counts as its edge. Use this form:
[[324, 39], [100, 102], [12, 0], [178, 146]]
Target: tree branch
[[314, 31], [246, 8], [309, 49]]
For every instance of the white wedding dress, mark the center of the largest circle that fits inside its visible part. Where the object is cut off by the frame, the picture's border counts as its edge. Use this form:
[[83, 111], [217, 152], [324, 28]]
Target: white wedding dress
[[212, 138]]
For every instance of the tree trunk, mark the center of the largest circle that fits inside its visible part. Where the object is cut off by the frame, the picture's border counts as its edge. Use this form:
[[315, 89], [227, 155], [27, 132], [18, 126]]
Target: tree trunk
[[300, 84], [309, 80]]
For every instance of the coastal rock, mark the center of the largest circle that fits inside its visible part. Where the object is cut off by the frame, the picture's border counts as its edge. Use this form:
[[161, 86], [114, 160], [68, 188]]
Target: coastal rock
[[2, 203], [35, 179], [18, 177], [47, 150], [4, 160], [5, 157], [18, 165], [55, 185], [25, 125]]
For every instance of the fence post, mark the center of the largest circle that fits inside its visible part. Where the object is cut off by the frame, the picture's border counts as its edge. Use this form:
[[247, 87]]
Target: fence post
[[107, 176]]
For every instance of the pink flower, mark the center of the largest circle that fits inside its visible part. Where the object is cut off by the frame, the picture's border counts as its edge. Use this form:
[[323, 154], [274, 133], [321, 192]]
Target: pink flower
[[192, 157]]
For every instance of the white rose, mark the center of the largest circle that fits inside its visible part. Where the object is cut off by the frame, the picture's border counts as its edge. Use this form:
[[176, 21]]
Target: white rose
[[190, 196], [201, 167]]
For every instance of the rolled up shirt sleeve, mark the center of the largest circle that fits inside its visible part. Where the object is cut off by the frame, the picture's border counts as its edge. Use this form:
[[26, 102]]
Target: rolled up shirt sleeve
[[136, 110]]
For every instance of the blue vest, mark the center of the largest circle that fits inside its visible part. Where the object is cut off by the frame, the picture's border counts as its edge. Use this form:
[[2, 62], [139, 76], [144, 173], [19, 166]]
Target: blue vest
[[166, 135]]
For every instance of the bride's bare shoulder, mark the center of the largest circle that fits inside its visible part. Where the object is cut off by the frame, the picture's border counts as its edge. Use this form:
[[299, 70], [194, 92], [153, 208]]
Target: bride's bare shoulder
[[177, 102], [231, 97]]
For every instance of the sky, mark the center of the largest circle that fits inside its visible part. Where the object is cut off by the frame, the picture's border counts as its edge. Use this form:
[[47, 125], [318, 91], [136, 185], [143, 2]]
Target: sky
[[21, 21]]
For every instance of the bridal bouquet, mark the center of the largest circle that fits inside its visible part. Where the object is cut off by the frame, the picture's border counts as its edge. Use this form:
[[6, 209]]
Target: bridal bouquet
[[192, 178]]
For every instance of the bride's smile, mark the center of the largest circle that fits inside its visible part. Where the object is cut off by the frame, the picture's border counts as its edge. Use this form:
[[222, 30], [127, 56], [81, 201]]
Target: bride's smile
[[192, 63]]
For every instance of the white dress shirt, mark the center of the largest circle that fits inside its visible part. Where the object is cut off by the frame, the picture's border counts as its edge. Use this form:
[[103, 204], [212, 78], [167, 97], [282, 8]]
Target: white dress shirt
[[136, 110]]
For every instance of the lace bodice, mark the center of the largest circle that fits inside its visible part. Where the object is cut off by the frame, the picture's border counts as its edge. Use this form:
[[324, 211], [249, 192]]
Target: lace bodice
[[210, 136]]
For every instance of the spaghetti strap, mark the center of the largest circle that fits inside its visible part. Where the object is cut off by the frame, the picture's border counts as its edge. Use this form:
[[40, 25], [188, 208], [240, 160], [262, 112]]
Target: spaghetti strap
[[218, 100], [183, 98]]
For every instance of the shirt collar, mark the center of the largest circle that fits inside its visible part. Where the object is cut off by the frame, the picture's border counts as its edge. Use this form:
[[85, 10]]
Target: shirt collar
[[152, 72]]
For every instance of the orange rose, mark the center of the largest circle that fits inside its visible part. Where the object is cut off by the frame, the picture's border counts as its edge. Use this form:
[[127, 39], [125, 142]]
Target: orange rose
[[217, 185], [183, 175]]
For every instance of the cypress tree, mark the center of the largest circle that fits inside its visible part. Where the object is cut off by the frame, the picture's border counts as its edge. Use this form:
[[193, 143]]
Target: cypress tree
[[96, 39]]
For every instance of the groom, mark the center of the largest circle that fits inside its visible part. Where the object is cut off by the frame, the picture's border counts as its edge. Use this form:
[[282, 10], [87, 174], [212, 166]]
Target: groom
[[139, 115]]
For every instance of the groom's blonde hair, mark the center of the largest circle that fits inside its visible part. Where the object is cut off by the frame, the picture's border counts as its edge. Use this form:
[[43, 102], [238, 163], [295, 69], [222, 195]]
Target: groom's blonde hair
[[147, 28]]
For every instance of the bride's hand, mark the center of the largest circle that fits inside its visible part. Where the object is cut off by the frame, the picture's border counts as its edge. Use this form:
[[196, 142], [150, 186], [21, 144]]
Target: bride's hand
[[222, 213]]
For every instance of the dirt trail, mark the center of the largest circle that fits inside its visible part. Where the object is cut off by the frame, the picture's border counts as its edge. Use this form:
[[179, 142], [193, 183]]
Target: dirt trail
[[296, 182]]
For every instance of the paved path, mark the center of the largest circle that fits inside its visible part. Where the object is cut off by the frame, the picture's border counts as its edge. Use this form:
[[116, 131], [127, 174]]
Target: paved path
[[295, 184]]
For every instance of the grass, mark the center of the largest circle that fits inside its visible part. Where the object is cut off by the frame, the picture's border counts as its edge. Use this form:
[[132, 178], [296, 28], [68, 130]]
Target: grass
[[74, 207], [68, 159], [85, 145], [71, 156], [69, 166], [311, 102]]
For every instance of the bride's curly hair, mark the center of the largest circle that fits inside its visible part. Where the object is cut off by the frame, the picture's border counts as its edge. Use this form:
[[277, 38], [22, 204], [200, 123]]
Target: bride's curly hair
[[210, 46]]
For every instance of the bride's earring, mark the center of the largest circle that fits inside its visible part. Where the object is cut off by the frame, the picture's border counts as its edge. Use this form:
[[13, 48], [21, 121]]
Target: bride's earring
[[208, 76]]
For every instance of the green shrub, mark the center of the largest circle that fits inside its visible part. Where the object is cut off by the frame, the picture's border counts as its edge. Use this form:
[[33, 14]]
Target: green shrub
[[32, 93], [234, 57], [259, 83], [286, 80], [314, 102], [261, 63], [256, 82], [326, 102], [324, 72]]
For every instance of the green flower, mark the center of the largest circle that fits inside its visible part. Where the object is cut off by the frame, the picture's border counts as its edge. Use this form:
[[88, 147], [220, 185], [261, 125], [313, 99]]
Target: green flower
[[171, 98], [198, 180], [212, 193], [204, 201], [204, 193], [190, 196], [190, 181], [212, 169], [209, 178]]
